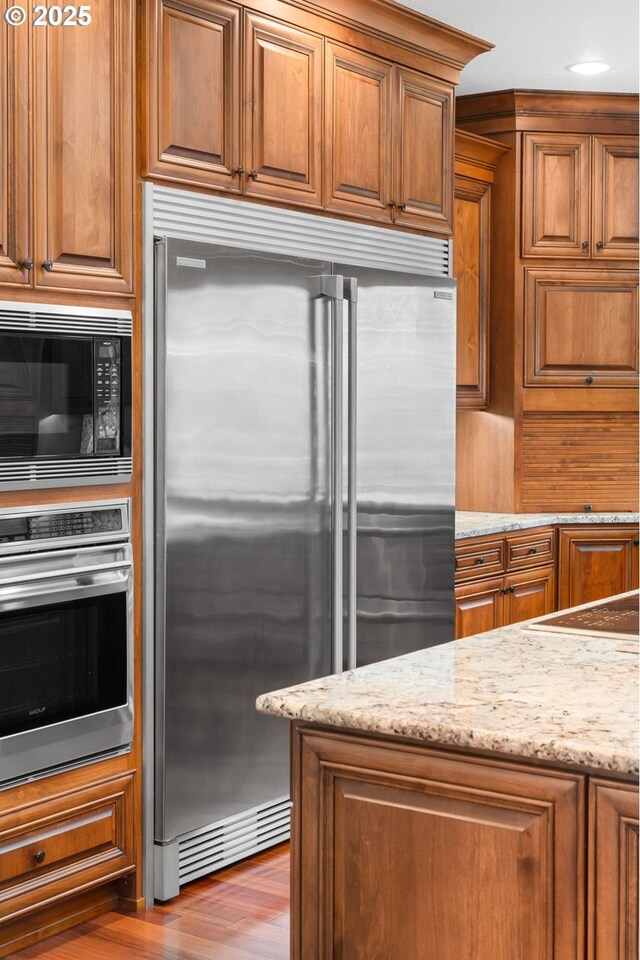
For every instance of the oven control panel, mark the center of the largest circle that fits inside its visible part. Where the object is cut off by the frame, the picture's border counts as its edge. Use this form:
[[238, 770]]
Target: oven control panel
[[88, 524]]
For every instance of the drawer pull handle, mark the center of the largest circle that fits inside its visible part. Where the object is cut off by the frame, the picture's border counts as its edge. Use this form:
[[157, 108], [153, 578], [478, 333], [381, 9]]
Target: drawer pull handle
[[479, 559], [588, 379], [40, 857], [533, 550], [588, 507]]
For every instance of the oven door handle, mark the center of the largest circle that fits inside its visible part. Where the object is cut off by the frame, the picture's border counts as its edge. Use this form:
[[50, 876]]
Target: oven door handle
[[65, 573]]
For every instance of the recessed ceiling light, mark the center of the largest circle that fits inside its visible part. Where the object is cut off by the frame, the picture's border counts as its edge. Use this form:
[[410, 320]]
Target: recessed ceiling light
[[589, 68]]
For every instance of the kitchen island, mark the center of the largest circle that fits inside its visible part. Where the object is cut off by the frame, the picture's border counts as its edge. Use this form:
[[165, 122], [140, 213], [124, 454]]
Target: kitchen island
[[472, 801]]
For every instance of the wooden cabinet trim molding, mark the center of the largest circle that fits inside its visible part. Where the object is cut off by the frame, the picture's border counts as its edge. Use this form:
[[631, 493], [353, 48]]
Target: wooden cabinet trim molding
[[548, 111]]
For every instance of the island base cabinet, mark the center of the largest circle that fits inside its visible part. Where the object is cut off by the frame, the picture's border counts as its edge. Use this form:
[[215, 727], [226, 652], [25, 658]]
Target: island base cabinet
[[400, 851], [613, 871]]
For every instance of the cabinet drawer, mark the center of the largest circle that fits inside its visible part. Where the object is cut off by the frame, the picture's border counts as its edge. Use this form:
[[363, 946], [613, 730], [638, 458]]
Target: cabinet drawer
[[479, 558], [49, 850], [530, 549]]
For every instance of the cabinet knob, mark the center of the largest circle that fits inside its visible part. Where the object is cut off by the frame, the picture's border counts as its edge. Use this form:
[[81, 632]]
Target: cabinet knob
[[27, 263], [479, 559], [588, 379], [253, 175], [600, 245], [588, 507], [533, 550], [585, 245], [512, 589], [636, 542], [239, 171], [403, 207], [392, 205], [48, 265], [40, 857]]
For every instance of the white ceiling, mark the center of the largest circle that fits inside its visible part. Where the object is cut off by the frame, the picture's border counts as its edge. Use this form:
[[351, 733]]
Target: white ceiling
[[536, 39]]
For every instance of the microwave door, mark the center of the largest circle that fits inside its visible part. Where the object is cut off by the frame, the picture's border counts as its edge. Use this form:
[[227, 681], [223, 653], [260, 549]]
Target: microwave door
[[19, 392], [66, 424]]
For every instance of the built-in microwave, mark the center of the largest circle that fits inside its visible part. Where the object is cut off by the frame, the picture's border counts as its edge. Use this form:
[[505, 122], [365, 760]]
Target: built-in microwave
[[65, 395]]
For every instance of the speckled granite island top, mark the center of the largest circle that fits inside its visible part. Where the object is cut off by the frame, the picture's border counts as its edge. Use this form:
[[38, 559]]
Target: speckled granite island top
[[472, 524], [555, 697]]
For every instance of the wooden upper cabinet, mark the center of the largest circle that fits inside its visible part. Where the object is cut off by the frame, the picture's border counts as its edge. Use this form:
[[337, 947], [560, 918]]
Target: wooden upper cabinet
[[595, 562], [475, 161], [424, 149], [283, 111], [358, 133], [14, 154], [615, 197], [613, 871], [194, 132], [83, 157], [581, 328], [556, 200]]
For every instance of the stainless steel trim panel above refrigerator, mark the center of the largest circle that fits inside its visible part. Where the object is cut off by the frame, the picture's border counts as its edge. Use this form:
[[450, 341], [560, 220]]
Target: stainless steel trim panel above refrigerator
[[304, 511]]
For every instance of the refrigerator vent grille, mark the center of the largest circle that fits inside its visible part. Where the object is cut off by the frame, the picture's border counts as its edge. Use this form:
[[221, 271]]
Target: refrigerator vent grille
[[66, 321], [51, 473], [250, 226], [220, 844]]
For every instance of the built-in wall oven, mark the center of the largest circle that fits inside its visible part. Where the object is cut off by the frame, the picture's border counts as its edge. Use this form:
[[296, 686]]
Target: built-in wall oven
[[65, 395], [66, 636]]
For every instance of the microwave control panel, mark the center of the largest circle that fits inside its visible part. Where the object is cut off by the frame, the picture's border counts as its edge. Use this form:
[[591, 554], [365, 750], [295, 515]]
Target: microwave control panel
[[107, 398]]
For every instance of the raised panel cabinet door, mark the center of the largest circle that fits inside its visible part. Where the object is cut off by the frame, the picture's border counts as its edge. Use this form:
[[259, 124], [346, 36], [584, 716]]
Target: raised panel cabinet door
[[479, 607], [581, 328], [615, 197], [613, 871], [423, 139], [471, 270], [14, 152], [529, 594], [406, 854], [358, 133], [556, 195], [595, 563], [283, 112], [194, 79], [84, 157]]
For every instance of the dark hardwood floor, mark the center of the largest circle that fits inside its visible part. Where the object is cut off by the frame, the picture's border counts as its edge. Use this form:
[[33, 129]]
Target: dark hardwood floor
[[241, 913]]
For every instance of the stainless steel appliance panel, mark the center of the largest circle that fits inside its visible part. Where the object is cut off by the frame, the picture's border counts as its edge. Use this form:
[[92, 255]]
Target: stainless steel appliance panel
[[244, 520], [405, 461]]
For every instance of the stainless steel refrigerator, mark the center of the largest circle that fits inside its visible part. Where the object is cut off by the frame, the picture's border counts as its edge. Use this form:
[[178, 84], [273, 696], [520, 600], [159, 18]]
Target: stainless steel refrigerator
[[304, 514]]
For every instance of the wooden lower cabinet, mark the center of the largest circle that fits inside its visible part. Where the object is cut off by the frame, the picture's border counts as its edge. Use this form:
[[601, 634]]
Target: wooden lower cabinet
[[404, 852], [528, 595], [479, 607], [596, 562], [613, 871], [63, 846]]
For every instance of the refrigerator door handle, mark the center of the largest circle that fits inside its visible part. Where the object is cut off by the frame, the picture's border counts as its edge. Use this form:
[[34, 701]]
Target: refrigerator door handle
[[351, 296], [160, 520], [332, 287]]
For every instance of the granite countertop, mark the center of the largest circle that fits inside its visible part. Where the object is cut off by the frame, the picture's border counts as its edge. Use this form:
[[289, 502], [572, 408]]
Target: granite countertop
[[555, 697], [472, 524]]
